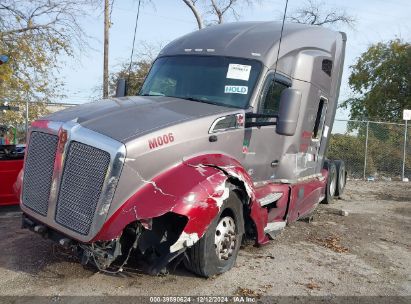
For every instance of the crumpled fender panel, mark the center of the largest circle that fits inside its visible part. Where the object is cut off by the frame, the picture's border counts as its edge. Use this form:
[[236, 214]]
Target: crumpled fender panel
[[196, 189], [234, 169]]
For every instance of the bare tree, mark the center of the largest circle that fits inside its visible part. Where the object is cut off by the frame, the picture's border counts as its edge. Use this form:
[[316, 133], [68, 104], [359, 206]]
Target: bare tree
[[43, 17], [208, 12], [34, 33], [316, 13], [192, 4]]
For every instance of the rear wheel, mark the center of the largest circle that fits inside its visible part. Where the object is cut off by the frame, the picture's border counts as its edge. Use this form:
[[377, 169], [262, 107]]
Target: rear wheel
[[216, 252], [331, 182], [341, 177]]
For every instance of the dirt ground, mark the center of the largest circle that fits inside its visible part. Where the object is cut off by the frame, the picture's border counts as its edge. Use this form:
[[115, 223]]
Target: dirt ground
[[367, 252]]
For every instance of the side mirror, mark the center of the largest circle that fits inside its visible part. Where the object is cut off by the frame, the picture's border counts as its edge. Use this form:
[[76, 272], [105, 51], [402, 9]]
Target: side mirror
[[290, 102], [121, 89]]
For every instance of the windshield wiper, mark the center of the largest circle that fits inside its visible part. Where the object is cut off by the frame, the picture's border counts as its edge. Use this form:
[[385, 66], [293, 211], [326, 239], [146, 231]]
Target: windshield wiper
[[197, 99], [148, 94]]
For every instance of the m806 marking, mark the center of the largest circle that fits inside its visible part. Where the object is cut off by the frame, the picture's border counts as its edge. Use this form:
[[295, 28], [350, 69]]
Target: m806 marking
[[160, 140], [255, 129]]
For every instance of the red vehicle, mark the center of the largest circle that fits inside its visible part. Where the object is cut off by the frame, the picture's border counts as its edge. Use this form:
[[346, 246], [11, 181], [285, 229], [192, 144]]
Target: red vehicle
[[11, 163]]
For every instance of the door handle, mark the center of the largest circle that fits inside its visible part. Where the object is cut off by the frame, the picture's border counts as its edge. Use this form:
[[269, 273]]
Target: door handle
[[274, 163]]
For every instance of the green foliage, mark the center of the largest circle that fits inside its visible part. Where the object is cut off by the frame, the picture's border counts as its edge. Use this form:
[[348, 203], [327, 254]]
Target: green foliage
[[34, 34], [384, 153], [380, 80], [138, 73], [140, 67], [26, 76], [350, 149]]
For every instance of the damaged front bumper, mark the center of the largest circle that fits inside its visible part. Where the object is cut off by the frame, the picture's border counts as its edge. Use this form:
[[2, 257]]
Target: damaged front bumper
[[151, 245]]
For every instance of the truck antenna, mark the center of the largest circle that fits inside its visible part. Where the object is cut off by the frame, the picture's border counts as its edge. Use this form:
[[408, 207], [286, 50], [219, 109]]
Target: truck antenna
[[281, 37], [134, 40]]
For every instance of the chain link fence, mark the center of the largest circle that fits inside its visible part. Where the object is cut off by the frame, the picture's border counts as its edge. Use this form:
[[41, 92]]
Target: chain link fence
[[372, 150]]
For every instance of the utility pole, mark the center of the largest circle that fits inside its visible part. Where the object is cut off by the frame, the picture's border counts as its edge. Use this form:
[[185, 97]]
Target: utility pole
[[106, 45], [366, 151], [406, 116], [26, 119]]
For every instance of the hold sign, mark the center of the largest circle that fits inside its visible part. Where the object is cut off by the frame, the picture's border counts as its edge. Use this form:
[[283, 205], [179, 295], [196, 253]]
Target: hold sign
[[235, 89], [406, 115]]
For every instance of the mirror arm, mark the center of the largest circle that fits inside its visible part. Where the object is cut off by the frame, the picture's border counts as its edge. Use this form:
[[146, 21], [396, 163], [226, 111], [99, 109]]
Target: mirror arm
[[260, 124], [257, 115], [249, 124]]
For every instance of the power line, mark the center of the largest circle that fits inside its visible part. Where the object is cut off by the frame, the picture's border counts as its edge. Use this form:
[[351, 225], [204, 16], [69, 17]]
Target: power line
[[156, 15], [111, 9], [281, 37], [134, 40]]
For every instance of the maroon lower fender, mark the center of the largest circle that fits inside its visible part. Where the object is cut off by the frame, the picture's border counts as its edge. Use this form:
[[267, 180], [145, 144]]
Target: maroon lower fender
[[196, 194], [193, 194]]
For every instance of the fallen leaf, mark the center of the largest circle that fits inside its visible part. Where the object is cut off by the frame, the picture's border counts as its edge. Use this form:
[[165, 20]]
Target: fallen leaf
[[312, 286], [246, 292]]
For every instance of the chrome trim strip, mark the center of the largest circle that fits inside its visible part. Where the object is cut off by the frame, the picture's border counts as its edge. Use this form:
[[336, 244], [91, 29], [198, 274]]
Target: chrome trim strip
[[289, 181], [215, 122], [57, 173]]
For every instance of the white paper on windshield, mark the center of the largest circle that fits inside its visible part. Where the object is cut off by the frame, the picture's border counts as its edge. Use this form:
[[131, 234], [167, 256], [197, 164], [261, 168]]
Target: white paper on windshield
[[232, 89], [238, 71]]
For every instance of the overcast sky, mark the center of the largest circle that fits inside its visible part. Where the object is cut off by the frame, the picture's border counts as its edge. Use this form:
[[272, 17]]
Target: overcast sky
[[377, 20]]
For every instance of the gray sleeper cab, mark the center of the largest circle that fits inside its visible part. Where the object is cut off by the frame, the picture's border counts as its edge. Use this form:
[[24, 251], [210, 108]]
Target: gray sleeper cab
[[223, 142]]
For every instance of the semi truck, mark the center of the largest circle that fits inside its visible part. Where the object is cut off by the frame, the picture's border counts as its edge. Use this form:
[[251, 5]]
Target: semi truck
[[225, 142]]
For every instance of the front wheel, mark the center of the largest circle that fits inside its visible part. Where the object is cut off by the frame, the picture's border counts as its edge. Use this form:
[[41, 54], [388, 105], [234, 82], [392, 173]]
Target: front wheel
[[216, 252]]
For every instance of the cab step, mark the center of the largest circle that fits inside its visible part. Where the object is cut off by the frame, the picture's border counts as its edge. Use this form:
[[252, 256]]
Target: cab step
[[274, 228], [270, 198]]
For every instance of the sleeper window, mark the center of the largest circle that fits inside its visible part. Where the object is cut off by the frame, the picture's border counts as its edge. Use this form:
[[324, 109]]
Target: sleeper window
[[270, 99], [320, 119]]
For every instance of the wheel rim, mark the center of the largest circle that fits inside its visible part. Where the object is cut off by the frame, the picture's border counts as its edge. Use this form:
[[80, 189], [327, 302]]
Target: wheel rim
[[342, 179], [333, 183], [225, 238]]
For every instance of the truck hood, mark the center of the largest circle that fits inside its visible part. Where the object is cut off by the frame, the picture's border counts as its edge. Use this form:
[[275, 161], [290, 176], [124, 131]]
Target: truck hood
[[128, 117]]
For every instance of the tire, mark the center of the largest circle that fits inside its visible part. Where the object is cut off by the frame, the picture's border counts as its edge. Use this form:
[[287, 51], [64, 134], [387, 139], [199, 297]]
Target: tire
[[331, 185], [202, 256], [341, 177]]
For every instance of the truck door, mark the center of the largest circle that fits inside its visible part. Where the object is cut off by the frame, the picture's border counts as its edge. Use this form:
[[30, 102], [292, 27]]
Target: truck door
[[262, 146]]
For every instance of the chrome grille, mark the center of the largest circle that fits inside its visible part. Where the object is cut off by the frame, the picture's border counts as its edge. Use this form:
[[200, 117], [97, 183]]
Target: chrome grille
[[81, 185], [38, 171]]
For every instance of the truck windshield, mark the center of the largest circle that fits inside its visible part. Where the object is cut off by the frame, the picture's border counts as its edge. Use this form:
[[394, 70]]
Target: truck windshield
[[217, 80]]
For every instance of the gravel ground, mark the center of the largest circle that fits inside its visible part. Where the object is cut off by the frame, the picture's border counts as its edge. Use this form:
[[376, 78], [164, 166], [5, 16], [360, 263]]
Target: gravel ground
[[367, 252]]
